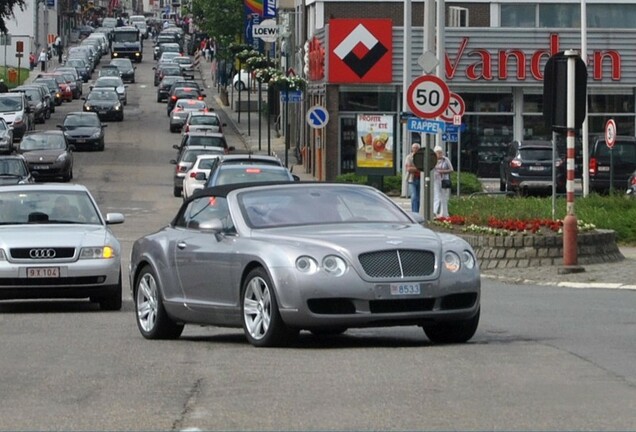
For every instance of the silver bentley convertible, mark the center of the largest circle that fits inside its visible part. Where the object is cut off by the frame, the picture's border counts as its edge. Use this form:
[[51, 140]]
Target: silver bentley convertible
[[275, 259]]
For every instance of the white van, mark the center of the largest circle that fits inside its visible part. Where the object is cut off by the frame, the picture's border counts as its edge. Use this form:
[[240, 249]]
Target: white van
[[15, 110]]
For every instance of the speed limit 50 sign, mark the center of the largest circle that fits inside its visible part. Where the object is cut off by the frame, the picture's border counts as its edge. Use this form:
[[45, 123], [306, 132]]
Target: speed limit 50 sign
[[428, 96]]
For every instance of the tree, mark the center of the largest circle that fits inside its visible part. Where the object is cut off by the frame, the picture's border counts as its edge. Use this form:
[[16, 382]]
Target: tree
[[6, 11], [222, 20]]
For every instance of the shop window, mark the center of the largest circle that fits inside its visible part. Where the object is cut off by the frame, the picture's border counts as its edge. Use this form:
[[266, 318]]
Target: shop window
[[599, 103], [534, 128], [370, 101], [611, 16], [532, 103], [348, 144], [560, 15], [485, 142], [517, 15], [488, 102]]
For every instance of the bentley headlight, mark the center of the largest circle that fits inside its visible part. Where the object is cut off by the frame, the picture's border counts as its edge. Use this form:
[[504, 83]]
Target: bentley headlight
[[105, 252], [452, 262], [468, 259], [334, 265], [306, 264]]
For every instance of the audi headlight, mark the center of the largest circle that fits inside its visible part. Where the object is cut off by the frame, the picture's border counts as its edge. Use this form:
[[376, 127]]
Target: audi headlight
[[306, 264], [334, 265], [468, 259], [105, 252], [452, 262]]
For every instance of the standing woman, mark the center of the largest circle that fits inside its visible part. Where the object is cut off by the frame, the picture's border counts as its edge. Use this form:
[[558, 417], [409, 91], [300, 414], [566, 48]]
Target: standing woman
[[441, 183], [43, 58]]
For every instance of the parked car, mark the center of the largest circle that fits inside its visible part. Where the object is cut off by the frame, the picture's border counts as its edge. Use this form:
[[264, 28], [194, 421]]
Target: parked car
[[6, 137], [165, 69], [631, 185], [527, 168], [184, 161], [54, 91], [15, 110], [243, 159], [201, 165], [36, 98], [109, 70], [84, 130], [113, 82], [55, 244], [126, 69], [63, 84], [618, 163], [254, 173], [186, 64], [105, 102], [203, 121], [243, 80], [48, 154], [81, 66], [163, 89], [181, 109], [77, 88], [319, 257], [203, 138], [177, 93], [14, 170]]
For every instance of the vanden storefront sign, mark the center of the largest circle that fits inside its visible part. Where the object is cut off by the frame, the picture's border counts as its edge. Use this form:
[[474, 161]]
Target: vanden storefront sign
[[467, 60]]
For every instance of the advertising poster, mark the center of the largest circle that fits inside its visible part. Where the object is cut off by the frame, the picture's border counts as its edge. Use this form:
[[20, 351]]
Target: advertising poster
[[375, 142]]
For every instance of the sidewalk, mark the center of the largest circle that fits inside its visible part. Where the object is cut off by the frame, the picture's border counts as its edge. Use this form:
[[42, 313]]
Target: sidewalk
[[618, 275], [248, 127]]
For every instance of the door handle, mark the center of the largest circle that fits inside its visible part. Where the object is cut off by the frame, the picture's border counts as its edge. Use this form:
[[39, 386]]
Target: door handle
[[182, 245]]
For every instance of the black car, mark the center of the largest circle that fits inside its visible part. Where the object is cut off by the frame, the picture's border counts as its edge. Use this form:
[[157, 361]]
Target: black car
[[105, 102], [163, 89], [527, 167], [14, 170], [177, 93], [164, 69], [48, 154], [54, 90], [618, 163], [84, 130], [126, 69], [85, 30], [81, 66]]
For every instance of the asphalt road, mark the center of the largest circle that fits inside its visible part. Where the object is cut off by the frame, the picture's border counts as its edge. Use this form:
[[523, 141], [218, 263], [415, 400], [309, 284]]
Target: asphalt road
[[544, 358]]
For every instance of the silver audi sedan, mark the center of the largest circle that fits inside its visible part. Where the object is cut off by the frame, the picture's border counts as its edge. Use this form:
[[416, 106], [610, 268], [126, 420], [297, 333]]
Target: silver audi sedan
[[278, 258], [54, 243]]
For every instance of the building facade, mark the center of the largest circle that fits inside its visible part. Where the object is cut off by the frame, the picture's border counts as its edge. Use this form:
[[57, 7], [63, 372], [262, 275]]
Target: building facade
[[495, 54]]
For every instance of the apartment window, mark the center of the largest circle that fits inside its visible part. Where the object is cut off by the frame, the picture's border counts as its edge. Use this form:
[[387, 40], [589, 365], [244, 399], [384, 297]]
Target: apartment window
[[560, 15], [611, 15]]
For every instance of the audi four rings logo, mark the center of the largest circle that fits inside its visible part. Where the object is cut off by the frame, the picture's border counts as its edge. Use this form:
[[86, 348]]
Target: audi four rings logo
[[42, 253]]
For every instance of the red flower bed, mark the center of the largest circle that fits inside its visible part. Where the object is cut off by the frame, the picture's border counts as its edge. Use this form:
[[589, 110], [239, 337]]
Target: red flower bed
[[517, 225]]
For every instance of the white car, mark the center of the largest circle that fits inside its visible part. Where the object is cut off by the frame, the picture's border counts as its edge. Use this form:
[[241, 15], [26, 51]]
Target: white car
[[203, 163], [245, 81], [113, 82]]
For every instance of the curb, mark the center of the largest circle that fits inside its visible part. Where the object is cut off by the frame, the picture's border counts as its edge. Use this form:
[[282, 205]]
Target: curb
[[578, 285]]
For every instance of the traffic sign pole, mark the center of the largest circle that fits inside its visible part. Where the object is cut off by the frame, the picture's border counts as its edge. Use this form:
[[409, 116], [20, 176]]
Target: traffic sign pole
[[610, 139]]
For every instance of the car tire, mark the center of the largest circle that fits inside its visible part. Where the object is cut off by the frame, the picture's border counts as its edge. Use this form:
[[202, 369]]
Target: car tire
[[151, 316], [121, 117], [453, 331], [262, 323], [176, 191], [47, 114], [158, 98], [112, 302], [68, 177], [239, 86]]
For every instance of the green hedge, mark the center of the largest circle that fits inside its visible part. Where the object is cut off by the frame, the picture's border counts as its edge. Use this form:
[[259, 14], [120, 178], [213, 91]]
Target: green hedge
[[392, 185]]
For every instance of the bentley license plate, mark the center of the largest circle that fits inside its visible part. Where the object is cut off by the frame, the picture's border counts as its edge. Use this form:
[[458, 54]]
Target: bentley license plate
[[43, 272], [405, 289]]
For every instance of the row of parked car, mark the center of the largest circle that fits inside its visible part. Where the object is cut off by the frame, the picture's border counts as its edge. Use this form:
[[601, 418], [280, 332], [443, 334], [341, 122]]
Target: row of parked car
[[527, 166]]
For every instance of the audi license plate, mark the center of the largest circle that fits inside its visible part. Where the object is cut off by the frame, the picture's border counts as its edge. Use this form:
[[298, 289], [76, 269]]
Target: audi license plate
[[405, 289], [43, 272]]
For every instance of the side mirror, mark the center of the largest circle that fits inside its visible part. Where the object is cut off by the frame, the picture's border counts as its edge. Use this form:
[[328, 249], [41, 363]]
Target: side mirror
[[71, 148], [59, 127], [114, 218], [173, 162], [104, 125], [176, 146]]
